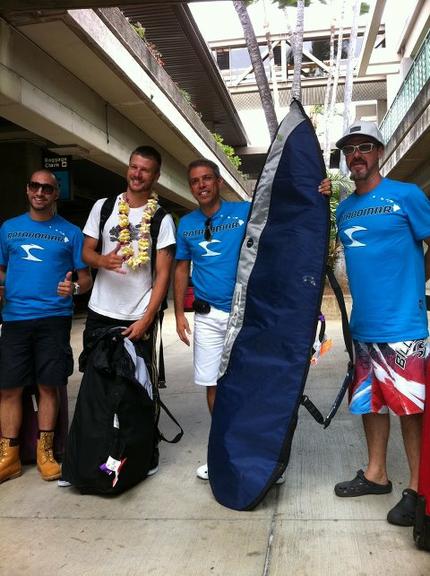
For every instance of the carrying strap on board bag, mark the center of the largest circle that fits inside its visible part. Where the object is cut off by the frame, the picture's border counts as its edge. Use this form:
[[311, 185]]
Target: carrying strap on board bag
[[307, 403], [179, 435], [105, 211]]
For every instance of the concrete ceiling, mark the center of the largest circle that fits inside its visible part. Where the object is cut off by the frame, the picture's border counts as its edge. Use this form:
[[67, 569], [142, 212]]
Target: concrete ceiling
[[73, 4], [187, 59], [185, 55]]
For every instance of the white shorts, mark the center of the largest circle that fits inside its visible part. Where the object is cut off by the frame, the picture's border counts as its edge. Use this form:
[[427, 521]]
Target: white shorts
[[209, 333]]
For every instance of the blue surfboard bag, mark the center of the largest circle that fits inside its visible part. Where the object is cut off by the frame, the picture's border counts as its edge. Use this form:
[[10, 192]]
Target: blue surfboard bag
[[272, 326]]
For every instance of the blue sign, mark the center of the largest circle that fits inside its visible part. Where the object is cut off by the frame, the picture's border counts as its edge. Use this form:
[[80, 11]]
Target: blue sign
[[60, 166]]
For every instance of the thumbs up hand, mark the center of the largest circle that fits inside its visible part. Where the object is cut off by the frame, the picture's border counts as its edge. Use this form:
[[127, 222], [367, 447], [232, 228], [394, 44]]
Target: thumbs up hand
[[113, 261], [66, 287]]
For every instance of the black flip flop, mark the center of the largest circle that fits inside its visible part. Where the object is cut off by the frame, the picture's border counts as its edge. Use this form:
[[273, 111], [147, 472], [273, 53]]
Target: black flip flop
[[361, 486], [403, 513]]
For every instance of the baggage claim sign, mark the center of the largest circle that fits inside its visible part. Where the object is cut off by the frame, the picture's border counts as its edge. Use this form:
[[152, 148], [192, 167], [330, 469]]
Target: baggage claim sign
[[60, 166]]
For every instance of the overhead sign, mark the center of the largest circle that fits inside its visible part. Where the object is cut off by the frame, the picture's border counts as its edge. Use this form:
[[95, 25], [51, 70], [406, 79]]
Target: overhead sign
[[60, 166]]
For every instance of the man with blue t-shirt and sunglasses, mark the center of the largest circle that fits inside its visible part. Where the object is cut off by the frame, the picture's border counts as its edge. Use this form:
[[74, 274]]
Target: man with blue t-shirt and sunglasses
[[209, 237], [382, 226], [39, 251]]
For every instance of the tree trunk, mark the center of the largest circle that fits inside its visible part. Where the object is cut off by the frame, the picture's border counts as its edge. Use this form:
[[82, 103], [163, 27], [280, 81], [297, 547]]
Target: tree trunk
[[327, 142], [349, 79], [340, 266], [257, 63], [332, 107], [296, 88], [271, 60]]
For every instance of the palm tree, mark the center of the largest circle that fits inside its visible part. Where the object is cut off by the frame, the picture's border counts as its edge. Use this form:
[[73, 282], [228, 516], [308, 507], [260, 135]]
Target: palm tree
[[257, 63], [271, 58], [327, 144], [358, 9], [296, 42], [331, 110]]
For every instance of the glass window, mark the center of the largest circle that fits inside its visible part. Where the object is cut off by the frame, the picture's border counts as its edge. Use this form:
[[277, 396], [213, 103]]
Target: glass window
[[223, 58], [239, 59]]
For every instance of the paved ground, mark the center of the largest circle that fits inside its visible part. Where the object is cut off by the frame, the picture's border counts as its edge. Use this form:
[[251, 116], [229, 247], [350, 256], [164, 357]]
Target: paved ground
[[170, 525]]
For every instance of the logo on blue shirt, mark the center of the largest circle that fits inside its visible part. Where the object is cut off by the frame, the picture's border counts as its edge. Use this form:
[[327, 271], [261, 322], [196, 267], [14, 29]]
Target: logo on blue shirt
[[29, 256], [209, 252], [349, 232]]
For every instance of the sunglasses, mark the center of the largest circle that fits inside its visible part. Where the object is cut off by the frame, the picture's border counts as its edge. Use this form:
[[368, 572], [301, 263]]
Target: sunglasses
[[46, 188], [364, 148], [208, 230]]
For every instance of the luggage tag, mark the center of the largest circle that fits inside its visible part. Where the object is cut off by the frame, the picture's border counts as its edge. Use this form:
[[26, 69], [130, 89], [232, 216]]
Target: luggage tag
[[320, 348], [112, 465]]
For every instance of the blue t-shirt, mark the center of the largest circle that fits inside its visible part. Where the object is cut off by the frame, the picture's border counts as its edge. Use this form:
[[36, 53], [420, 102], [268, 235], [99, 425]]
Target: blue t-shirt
[[215, 261], [382, 233], [37, 256]]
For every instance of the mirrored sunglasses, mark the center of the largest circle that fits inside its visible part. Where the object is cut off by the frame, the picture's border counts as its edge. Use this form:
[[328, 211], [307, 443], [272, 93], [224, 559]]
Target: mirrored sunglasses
[[364, 148]]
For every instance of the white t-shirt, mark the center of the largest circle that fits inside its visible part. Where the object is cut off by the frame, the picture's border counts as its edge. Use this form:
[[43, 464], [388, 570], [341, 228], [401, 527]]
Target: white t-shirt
[[123, 296]]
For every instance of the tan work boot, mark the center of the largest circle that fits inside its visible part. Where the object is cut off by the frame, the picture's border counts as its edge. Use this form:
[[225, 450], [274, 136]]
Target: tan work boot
[[46, 463], [10, 464]]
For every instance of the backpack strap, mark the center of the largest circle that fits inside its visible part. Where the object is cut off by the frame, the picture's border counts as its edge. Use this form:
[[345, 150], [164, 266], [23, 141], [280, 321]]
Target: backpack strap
[[154, 231], [105, 211], [307, 403]]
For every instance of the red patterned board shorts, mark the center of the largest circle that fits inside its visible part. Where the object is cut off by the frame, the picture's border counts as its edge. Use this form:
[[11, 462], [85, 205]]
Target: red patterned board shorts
[[389, 377]]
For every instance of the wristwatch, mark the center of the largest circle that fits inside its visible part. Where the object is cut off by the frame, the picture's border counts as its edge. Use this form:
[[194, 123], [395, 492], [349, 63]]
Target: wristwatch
[[76, 289]]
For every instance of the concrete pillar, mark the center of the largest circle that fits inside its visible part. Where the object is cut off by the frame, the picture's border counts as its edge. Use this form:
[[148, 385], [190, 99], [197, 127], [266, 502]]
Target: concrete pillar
[[17, 162], [381, 110]]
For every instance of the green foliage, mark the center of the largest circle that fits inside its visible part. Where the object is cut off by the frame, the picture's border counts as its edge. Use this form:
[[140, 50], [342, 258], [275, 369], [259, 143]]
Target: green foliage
[[186, 96], [339, 182], [364, 8], [228, 150], [293, 3], [139, 29]]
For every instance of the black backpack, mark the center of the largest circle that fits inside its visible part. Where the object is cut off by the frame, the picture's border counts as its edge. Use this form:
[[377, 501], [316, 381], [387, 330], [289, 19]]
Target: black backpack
[[105, 211], [114, 433]]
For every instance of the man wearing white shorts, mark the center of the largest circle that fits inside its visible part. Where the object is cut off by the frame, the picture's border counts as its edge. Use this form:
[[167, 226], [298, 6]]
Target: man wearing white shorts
[[209, 237]]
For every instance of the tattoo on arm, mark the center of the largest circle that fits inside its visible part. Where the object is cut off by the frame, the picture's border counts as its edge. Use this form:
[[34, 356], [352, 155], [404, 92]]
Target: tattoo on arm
[[170, 250]]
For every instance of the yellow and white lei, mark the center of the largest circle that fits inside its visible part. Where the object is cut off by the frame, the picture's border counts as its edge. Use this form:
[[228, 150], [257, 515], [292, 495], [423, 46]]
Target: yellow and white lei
[[124, 238]]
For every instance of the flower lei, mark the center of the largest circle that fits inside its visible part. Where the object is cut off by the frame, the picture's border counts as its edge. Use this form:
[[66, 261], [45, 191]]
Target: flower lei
[[127, 251]]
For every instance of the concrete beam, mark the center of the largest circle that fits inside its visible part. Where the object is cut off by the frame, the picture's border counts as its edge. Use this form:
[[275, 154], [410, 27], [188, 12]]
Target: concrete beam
[[74, 4], [370, 37], [78, 85]]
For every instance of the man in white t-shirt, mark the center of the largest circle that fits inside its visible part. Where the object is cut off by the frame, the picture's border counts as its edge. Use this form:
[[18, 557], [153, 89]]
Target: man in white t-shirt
[[126, 292]]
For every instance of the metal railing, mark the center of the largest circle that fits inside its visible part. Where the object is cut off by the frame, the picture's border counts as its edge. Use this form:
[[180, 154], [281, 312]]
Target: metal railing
[[415, 80]]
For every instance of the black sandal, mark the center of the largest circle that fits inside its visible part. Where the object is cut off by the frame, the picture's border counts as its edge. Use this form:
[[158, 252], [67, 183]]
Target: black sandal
[[403, 513], [361, 486]]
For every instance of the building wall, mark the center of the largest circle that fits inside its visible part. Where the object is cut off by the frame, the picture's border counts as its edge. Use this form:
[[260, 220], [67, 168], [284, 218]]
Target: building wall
[[17, 162]]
